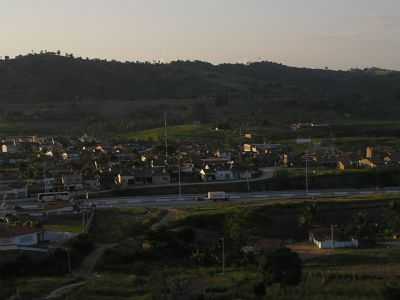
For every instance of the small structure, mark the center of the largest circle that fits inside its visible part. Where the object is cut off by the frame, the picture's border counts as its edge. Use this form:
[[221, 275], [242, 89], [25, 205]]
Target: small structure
[[325, 238], [13, 237], [221, 175], [72, 182], [161, 177]]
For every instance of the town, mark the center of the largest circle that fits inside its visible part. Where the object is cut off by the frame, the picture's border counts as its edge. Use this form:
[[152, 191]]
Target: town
[[56, 190], [199, 150]]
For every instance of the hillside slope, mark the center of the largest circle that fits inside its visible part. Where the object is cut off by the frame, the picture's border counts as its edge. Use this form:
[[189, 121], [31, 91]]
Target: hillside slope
[[256, 89]]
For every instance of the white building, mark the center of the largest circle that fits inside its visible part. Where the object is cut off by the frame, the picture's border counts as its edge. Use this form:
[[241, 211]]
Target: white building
[[331, 239], [13, 237]]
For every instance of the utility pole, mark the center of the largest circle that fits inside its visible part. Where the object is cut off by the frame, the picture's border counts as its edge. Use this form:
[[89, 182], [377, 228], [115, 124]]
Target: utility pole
[[68, 260], [179, 179], [306, 172], [223, 255], [83, 221], [248, 184], [332, 240], [166, 138]]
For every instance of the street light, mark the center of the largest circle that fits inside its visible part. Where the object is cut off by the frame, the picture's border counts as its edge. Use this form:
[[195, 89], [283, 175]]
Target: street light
[[306, 172], [223, 255], [179, 179], [66, 250]]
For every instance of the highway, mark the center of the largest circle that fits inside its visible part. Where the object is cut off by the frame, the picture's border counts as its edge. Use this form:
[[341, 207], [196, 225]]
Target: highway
[[190, 199], [30, 205]]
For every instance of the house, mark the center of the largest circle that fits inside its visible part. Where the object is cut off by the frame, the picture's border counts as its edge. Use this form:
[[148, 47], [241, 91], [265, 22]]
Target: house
[[161, 177], [242, 173], [221, 175], [44, 185], [369, 152], [261, 148], [143, 176], [72, 182], [367, 162], [125, 179], [92, 183], [325, 238], [207, 175], [348, 161]]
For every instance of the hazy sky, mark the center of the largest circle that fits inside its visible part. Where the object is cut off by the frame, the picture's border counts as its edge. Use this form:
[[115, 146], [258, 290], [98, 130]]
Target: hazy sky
[[317, 33]]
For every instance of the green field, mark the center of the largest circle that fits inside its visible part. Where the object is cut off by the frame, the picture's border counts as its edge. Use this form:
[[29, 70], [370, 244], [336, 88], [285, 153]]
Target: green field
[[9, 128], [176, 132]]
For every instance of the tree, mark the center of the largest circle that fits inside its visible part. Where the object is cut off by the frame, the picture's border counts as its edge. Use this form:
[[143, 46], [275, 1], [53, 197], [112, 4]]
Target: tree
[[309, 215], [236, 229], [363, 227], [392, 217], [391, 291], [281, 266]]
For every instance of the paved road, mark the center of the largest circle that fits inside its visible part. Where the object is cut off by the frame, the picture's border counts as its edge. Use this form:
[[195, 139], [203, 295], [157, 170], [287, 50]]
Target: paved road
[[190, 199], [175, 200]]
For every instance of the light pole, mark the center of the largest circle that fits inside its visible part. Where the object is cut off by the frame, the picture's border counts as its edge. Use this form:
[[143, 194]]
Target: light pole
[[179, 179], [306, 172], [166, 138], [223, 255], [68, 260]]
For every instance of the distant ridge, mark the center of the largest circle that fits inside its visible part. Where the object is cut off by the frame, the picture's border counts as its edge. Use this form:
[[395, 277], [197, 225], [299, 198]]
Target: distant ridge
[[52, 77]]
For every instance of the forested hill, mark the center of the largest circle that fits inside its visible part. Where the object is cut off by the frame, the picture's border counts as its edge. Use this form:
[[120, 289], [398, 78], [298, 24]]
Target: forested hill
[[50, 77]]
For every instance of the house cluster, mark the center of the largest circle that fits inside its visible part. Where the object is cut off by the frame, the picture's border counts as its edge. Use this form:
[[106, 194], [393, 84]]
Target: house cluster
[[320, 155], [30, 165]]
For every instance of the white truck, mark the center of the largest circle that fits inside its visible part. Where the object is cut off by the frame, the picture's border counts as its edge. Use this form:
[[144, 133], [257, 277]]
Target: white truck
[[217, 196]]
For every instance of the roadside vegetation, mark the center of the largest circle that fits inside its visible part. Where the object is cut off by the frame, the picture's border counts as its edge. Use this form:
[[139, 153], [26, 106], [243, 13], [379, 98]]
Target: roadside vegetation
[[182, 259]]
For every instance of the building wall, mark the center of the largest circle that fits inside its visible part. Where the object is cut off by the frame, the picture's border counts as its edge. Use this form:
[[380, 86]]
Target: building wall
[[31, 239], [27, 239], [163, 179], [336, 244], [223, 175]]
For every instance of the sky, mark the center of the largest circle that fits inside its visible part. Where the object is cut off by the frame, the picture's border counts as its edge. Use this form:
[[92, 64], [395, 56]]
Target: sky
[[338, 34]]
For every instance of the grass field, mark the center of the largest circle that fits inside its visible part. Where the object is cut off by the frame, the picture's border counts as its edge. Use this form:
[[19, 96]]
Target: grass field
[[180, 132], [9, 128]]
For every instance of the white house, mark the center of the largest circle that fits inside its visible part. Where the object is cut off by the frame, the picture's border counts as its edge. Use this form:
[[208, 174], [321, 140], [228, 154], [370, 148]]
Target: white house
[[12, 237], [332, 238], [221, 175], [72, 182]]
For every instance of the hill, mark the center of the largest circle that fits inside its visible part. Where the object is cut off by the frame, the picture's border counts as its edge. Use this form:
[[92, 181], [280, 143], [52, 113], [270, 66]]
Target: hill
[[197, 91]]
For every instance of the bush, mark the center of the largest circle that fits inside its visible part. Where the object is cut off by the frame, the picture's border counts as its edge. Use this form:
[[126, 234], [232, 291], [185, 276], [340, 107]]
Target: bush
[[391, 292], [140, 269], [259, 289], [282, 266]]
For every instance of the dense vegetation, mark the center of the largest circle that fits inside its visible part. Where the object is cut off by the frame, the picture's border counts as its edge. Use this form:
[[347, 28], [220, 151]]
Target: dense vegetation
[[254, 89]]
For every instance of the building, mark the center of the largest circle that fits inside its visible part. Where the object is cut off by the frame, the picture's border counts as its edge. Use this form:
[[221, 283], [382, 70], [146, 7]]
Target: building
[[221, 175], [72, 182], [14, 237], [161, 177], [125, 180], [325, 238]]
